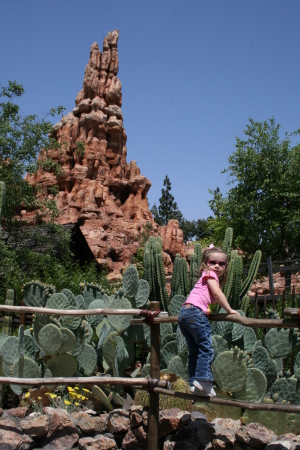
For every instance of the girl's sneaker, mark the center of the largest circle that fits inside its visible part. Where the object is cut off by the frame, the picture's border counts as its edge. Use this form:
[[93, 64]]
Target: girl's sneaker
[[204, 388]]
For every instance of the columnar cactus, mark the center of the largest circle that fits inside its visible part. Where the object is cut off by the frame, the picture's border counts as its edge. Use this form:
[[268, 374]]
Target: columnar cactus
[[2, 198], [7, 320], [154, 271]]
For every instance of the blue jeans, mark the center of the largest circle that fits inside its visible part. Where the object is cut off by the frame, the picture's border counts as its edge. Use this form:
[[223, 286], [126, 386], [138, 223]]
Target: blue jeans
[[196, 329]]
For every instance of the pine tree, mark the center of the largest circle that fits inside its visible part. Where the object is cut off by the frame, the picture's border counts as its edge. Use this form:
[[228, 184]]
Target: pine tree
[[167, 208]]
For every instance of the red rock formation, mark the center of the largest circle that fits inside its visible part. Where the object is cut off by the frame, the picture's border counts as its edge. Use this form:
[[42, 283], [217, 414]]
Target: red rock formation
[[107, 195]]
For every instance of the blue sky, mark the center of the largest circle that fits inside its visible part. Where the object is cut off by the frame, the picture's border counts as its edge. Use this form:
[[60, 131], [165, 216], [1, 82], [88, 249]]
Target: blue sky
[[192, 71]]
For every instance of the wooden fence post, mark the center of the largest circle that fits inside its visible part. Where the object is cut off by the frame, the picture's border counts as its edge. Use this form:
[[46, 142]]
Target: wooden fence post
[[153, 419]]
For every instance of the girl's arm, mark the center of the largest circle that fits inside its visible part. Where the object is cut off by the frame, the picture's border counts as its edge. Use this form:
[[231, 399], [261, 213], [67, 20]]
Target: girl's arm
[[219, 296]]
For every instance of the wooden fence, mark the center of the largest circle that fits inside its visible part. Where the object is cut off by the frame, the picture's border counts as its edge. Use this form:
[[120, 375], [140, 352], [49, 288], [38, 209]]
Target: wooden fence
[[154, 385]]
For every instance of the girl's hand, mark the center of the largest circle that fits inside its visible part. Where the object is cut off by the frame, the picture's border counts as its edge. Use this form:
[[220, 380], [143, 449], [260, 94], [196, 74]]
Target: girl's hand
[[233, 311]]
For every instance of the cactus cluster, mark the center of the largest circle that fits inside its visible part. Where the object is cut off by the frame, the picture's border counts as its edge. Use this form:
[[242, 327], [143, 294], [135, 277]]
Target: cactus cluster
[[251, 371], [56, 346]]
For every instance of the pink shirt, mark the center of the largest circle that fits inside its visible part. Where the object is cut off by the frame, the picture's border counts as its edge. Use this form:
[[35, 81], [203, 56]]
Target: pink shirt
[[201, 296]]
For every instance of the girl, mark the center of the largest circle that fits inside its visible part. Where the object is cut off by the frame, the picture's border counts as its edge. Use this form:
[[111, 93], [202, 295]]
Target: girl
[[193, 321]]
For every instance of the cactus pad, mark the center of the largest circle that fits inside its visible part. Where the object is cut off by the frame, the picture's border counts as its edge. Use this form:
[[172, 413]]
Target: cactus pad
[[102, 397], [230, 371], [219, 345], [50, 339], [142, 294], [71, 322], [130, 281], [3, 338], [80, 341], [255, 387], [181, 343], [68, 340], [101, 325], [96, 304], [87, 360], [25, 368], [70, 296], [79, 302], [169, 351], [179, 365], [10, 350], [64, 365], [279, 342], [58, 301], [35, 293], [271, 372], [249, 339], [260, 358], [120, 322], [286, 390]]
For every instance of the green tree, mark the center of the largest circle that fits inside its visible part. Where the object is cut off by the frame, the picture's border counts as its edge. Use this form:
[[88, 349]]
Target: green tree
[[21, 140], [263, 204], [167, 208]]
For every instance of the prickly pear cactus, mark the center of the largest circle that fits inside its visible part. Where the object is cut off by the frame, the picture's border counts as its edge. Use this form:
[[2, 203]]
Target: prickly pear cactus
[[279, 342], [230, 370], [36, 293], [254, 388]]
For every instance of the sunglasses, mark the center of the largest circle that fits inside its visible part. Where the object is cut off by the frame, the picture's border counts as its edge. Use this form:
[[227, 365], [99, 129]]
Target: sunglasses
[[213, 262]]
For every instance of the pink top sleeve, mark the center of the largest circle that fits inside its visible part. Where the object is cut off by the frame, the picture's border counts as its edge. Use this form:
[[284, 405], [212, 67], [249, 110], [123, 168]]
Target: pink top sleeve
[[210, 274]]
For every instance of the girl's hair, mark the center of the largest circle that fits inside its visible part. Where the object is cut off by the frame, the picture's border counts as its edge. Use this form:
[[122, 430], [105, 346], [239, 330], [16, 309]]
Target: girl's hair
[[205, 257]]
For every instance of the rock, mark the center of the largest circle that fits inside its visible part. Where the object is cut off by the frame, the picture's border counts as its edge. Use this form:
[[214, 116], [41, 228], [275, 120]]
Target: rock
[[255, 435], [62, 433], [172, 237], [136, 416], [171, 420], [36, 427], [184, 439], [100, 189], [118, 421], [92, 425], [21, 411], [224, 436], [135, 439], [98, 442], [280, 445], [145, 418], [12, 437]]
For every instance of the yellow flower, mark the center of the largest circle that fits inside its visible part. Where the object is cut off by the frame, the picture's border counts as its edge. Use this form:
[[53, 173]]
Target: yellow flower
[[59, 397], [77, 404], [86, 390], [72, 394], [27, 394], [39, 398], [51, 395], [76, 388], [66, 402], [70, 389], [83, 398]]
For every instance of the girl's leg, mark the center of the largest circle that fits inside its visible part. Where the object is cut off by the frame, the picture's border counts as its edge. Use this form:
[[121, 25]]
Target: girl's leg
[[185, 318]]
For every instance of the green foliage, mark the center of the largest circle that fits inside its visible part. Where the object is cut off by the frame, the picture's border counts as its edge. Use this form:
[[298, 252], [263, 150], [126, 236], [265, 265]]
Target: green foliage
[[20, 266], [262, 206], [21, 139], [167, 208]]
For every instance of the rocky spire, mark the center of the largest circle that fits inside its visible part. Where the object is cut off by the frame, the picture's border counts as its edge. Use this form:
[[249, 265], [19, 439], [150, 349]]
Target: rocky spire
[[107, 195]]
